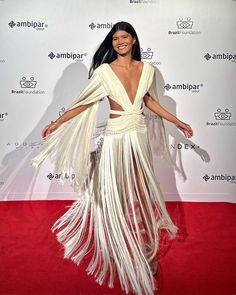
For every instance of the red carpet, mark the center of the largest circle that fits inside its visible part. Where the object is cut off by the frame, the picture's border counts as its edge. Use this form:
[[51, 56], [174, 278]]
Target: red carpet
[[201, 261]]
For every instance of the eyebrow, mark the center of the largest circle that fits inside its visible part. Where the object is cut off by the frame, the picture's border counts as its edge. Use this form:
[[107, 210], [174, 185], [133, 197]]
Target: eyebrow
[[121, 35]]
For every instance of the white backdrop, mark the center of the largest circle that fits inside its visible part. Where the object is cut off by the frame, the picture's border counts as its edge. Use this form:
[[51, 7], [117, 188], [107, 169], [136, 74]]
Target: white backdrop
[[45, 52]]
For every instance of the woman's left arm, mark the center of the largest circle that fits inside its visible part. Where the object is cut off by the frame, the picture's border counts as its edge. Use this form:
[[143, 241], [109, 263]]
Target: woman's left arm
[[155, 107]]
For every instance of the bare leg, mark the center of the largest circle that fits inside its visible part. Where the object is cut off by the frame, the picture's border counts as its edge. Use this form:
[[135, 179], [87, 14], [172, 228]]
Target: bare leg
[[147, 223]]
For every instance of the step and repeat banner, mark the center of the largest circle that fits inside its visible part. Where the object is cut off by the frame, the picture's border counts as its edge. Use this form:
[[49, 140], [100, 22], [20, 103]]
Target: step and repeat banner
[[45, 53]]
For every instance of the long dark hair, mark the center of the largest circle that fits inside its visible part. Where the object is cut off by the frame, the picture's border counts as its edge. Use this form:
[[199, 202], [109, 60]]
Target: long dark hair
[[106, 54]]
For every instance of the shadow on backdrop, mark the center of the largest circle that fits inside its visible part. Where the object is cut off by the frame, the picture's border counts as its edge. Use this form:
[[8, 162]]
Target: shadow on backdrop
[[16, 172], [166, 174]]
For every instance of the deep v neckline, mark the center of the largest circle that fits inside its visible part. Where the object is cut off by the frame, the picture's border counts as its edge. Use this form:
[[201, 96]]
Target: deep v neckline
[[122, 86]]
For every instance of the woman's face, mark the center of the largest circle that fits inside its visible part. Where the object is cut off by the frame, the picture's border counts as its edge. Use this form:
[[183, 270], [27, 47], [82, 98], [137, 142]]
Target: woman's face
[[122, 42]]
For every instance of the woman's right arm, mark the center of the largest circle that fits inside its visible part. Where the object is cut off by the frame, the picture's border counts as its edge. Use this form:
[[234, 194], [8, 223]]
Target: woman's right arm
[[63, 118]]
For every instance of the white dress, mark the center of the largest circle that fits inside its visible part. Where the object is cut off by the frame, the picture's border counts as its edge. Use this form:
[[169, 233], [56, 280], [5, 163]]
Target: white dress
[[119, 210]]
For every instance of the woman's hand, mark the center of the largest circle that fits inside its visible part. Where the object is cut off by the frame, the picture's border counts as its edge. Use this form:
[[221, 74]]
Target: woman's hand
[[185, 128], [49, 129]]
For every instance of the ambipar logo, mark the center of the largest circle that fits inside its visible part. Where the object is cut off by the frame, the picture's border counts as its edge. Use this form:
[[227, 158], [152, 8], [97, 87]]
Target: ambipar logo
[[3, 116], [107, 25], [184, 86], [221, 56], [60, 176], [40, 26], [67, 55], [220, 177]]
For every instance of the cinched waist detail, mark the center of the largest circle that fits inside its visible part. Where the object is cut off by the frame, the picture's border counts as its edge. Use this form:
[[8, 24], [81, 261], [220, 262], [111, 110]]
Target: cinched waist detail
[[131, 122], [127, 112]]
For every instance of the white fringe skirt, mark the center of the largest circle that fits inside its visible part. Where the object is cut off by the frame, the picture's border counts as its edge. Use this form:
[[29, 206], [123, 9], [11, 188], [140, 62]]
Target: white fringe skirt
[[120, 213]]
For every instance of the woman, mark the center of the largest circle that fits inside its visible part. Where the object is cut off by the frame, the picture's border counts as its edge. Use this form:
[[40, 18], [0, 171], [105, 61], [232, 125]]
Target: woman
[[120, 209]]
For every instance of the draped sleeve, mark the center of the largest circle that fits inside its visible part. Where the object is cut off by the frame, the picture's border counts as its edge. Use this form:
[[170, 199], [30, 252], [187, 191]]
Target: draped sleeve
[[68, 147]]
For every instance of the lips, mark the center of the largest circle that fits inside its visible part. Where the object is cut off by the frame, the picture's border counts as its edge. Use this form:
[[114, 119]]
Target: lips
[[121, 47]]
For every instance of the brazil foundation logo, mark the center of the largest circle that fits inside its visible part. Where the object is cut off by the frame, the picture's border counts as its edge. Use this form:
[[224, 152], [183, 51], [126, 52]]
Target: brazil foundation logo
[[184, 26], [31, 83], [28, 24], [61, 111], [148, 55], [221, 117], [27, 86], [143, 1]]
